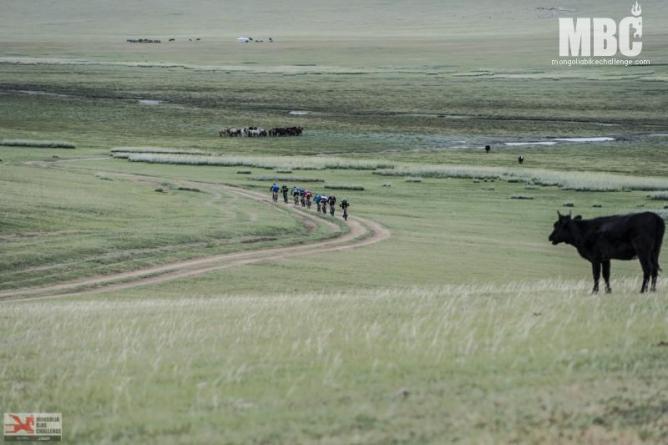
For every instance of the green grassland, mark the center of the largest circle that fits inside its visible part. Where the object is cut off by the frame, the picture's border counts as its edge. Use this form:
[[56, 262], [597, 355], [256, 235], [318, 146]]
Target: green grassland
[[60, 225], [541, 364], [477, 222], [465, 326]]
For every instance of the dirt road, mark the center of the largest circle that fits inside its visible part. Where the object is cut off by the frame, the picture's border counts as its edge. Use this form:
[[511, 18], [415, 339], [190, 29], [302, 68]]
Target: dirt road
[[362, 232]]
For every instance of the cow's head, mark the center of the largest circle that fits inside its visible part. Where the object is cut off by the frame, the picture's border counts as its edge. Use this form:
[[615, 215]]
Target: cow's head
[[563, 230]]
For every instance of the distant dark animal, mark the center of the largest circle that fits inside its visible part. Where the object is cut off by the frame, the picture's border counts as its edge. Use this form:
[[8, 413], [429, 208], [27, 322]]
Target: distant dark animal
[[172, 39], [270, 39], [198, 39], [620, 237], [487, 148], [520, 159]]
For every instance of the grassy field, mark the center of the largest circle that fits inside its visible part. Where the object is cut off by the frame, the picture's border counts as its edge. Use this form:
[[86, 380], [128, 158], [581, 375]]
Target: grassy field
[[464, 326], [532, 363], [65, 225]]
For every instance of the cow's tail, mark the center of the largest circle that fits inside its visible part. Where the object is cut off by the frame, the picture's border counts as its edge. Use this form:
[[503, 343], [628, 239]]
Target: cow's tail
[[659, 240]]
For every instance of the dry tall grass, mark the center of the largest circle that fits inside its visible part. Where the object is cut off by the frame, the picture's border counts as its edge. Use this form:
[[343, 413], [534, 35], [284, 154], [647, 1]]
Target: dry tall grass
[[368, 366], [268, 162], [569, 180]]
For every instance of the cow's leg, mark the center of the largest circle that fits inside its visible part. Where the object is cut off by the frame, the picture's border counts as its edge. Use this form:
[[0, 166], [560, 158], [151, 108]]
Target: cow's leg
[[606, 276], [654, 273], [596, 271], [643, 248], [646, 265]]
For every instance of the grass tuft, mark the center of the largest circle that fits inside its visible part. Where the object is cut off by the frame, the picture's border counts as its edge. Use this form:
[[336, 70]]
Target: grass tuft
[[29, 143], [658, 196], [188, 189], [357, 188]]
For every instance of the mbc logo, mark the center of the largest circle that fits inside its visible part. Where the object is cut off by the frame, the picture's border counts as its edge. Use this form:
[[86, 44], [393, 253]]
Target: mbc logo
[[599, 36]]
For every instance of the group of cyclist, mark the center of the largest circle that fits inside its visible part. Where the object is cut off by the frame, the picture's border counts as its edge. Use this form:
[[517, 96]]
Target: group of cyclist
[[306, 198]]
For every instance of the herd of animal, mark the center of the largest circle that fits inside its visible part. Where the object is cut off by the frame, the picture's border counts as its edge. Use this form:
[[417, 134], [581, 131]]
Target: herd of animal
[[144, 41], [173, 39], [244, 39], [260, 132], [156, 40]]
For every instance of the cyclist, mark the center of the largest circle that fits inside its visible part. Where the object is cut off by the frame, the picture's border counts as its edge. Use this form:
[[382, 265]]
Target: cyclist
[[344, 206], [302, 197], [332, 204], [274, 192], [324, 199], [307, 196], [285, 190], [317, 201], [295, 194]]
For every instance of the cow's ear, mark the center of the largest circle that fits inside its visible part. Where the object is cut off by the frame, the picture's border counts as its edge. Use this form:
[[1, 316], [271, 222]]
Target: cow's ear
[[559, 214], [578, 217]]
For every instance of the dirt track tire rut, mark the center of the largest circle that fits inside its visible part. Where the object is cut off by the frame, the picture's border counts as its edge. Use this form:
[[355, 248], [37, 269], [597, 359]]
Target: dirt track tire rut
[[362, 232]]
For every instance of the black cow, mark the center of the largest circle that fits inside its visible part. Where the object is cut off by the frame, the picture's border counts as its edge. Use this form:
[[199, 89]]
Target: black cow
[[620, 237]]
